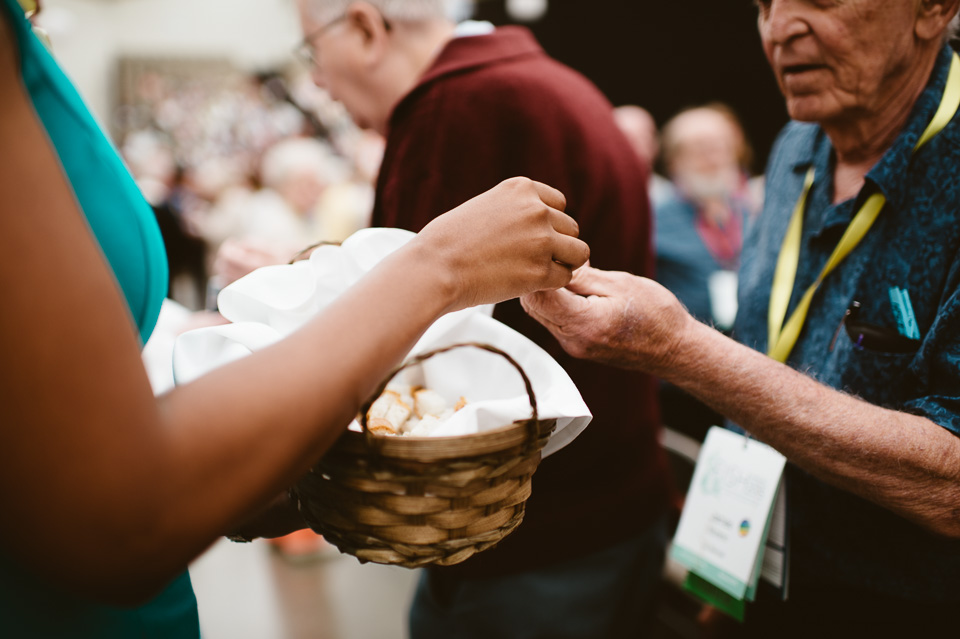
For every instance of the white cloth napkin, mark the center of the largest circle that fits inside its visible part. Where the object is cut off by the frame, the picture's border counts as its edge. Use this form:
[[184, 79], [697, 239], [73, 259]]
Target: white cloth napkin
[[272, 302]]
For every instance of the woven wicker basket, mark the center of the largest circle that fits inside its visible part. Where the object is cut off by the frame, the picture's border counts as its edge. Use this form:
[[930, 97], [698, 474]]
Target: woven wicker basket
[[416, 501]]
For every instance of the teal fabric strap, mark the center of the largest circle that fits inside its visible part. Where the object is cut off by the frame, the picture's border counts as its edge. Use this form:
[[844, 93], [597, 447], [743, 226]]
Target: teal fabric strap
[[120, 219]]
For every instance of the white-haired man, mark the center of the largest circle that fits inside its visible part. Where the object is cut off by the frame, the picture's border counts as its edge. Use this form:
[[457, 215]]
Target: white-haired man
[[464, 107], [858, 308]]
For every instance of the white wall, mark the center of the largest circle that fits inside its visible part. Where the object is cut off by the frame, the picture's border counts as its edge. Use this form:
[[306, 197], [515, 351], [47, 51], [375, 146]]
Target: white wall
[[90, 35]]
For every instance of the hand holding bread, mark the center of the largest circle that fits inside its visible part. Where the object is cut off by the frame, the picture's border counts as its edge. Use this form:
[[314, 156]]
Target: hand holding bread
[[614, 318]]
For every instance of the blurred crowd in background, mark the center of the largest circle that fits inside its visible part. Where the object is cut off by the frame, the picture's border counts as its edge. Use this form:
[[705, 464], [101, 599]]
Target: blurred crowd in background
[[254, 169], [245, 173], [250, 172]]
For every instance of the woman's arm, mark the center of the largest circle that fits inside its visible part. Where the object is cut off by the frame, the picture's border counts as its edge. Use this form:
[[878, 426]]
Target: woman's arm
[[109, 491]]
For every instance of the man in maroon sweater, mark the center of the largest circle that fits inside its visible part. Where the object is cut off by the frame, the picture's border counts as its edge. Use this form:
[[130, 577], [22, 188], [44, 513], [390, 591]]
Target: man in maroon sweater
[[463, 108]]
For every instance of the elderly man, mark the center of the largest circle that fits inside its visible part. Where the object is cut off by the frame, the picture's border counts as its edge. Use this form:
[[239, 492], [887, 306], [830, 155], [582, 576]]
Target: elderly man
[[867, 407], [464, 107]]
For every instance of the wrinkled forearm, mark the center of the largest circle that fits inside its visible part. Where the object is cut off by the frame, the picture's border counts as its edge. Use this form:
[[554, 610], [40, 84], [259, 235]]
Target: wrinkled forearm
[[903, 462]]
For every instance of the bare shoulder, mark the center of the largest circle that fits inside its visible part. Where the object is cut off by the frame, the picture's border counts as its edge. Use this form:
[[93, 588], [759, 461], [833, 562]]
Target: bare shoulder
[[45, 242]]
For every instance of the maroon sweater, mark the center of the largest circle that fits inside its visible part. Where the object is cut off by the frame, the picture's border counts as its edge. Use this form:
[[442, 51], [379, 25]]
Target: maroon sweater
[[493, 107]]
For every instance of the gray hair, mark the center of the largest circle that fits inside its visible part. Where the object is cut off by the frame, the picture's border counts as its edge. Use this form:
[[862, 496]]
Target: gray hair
[[399, 10], [291, 156], [953, 29]]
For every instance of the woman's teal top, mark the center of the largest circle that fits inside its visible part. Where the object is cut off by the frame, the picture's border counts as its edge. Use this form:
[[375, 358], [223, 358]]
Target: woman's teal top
[[126, 230]]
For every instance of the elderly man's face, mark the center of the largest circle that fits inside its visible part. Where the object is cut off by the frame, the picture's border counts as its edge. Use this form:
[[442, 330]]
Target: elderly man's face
[[834, 59], [338, 67]]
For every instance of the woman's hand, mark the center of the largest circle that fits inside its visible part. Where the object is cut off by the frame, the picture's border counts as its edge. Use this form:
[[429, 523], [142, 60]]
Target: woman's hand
[[512, 240], [614, 318]]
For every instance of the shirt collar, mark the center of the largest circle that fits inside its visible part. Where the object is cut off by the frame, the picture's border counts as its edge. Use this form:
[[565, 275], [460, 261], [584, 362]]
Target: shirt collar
[[470, 28], [890, 175], [466, 53], [461, 54]]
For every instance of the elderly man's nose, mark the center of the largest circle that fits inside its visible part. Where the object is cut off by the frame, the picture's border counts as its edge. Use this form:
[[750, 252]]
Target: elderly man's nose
[[318, 77], [782, 20]]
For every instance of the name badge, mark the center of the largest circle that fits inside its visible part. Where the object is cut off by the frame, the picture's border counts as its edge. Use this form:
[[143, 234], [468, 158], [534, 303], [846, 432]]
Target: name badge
[[730, 531], [722, 288]]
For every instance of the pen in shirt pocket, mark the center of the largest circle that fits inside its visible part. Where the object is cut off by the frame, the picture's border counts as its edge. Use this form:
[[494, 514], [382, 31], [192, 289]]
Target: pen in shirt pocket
[[854, 306], [870, 337]]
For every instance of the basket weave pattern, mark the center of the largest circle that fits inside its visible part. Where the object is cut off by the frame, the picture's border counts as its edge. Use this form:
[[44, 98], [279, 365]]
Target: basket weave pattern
[[416, 501]]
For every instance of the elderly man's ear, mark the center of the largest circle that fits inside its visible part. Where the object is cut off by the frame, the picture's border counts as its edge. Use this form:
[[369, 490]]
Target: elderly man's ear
[[933, 16], [370, 22]]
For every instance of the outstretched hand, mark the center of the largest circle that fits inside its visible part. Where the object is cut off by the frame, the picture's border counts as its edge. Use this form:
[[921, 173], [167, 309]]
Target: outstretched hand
[[614, 318], [512, 240]]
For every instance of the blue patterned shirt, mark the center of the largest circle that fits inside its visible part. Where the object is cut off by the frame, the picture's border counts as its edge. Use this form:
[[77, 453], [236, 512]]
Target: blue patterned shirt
[[836, 538]]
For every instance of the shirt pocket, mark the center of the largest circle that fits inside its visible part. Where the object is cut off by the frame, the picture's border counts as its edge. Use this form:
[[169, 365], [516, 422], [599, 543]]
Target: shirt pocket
[[875, 375]]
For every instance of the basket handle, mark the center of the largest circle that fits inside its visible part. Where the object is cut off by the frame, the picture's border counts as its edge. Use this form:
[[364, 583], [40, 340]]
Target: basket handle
[[533, 424], [301, 254]]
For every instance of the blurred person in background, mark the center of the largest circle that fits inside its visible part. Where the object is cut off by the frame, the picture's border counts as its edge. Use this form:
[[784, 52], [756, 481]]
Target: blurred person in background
[[107, 491], [857, 308], [461, 107], [268, 222], [161, 179], [323, 202], [641, 131], [307, 196], [699, 228]]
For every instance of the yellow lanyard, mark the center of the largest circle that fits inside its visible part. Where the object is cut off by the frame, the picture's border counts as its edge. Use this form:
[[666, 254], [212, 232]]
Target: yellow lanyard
[[782, 338]]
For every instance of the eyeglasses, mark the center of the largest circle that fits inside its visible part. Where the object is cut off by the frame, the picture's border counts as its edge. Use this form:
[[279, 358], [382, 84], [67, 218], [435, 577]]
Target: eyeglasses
[[307, 52]]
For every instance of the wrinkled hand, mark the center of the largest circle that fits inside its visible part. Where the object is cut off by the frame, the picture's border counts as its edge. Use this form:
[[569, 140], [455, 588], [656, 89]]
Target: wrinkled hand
[[511, 240], [613, 318]]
